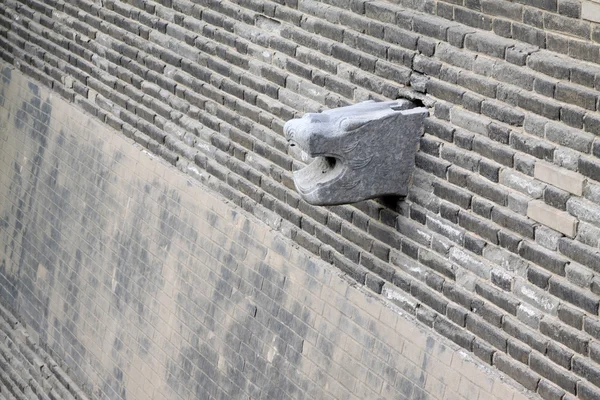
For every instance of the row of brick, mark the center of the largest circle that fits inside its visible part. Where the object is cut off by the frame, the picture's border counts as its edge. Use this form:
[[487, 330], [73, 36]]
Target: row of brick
[[26, 370]]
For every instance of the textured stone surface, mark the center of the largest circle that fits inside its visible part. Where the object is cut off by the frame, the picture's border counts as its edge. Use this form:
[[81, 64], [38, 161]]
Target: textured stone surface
[[155, 286], [362, 151], [207, 86]]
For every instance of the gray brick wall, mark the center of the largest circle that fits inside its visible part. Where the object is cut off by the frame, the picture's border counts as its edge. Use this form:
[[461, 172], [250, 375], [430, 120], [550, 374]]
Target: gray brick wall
[[146, 284], [497, 239]]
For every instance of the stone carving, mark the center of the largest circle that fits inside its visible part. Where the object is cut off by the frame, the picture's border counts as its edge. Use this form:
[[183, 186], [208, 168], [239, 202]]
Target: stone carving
[[360, 152]]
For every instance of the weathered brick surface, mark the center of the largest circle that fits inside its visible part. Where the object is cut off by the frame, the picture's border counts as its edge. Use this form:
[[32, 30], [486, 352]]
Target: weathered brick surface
[[508, 159], [155, 286]]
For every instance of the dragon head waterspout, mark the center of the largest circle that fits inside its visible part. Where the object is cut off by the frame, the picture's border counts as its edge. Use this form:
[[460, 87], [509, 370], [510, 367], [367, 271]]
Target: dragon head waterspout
[[360, 152]]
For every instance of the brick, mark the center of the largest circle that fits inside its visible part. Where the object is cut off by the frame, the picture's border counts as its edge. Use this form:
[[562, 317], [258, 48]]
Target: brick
[[453, 194], [514, 222], [572, 138], [454, 333], [586, 391], [532, 145], [567, 25], [588, 234], [590, 11], [589, 167], [550, 65], [578, 96], [437, 263], [487, 44], [474, 264], [584, 210], [567, 336], [574, 295], [436, 166], [497, 297], [489, 170], [460, 158], [581, 253], [451, 55], [472, 102], [483, 228], [518, 372], [557, 220], [542, 257], [544, 86], [538, 277], [547, 237], [559, 177], [529, 34], [579, 275], [445, 229], [429, 297], [538, 104], [439, 129], [559, 376], [487, 332], [488, 190], [445, 91], [521, 183], [514, 75], [478, 84], [468, 120]]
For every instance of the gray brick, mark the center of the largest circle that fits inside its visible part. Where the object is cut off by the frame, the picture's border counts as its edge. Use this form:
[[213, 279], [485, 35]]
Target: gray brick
[[531, 145], [581, 253], [453, 194], [545, 368], [497, 297], [445, 91], [579, 96], [529, 34], [589, 167], [572, 116], [574, 295], [446, 229], [522, 183], [586, 391], [489, 191], [516, 223], [439, 129], [547, 237], [514, 75], [570, 26], [470, 121], [567, 336], [478, 84], [518, 372], [470, 18], [483, 228], [550, 65], [454, 333], [451, 55], [545, 86], [438, 264], [542, 257], [539, 105]]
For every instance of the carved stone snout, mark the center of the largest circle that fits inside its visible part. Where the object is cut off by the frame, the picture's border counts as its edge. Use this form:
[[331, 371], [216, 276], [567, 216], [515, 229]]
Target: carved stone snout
[[360, 152]]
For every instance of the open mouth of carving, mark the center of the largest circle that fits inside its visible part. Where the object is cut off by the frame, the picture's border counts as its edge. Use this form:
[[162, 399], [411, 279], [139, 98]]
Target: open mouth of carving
[[323, 169]]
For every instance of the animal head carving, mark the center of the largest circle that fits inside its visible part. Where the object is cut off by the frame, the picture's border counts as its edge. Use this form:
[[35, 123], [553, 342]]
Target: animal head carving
[[360, 152]]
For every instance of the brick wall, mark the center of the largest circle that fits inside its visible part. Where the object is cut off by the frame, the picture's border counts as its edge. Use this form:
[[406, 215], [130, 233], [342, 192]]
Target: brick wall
[[148, 285], [496, 246]]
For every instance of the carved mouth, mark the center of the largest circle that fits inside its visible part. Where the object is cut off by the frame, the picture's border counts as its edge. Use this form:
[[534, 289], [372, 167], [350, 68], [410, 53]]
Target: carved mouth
[[321, 171]]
